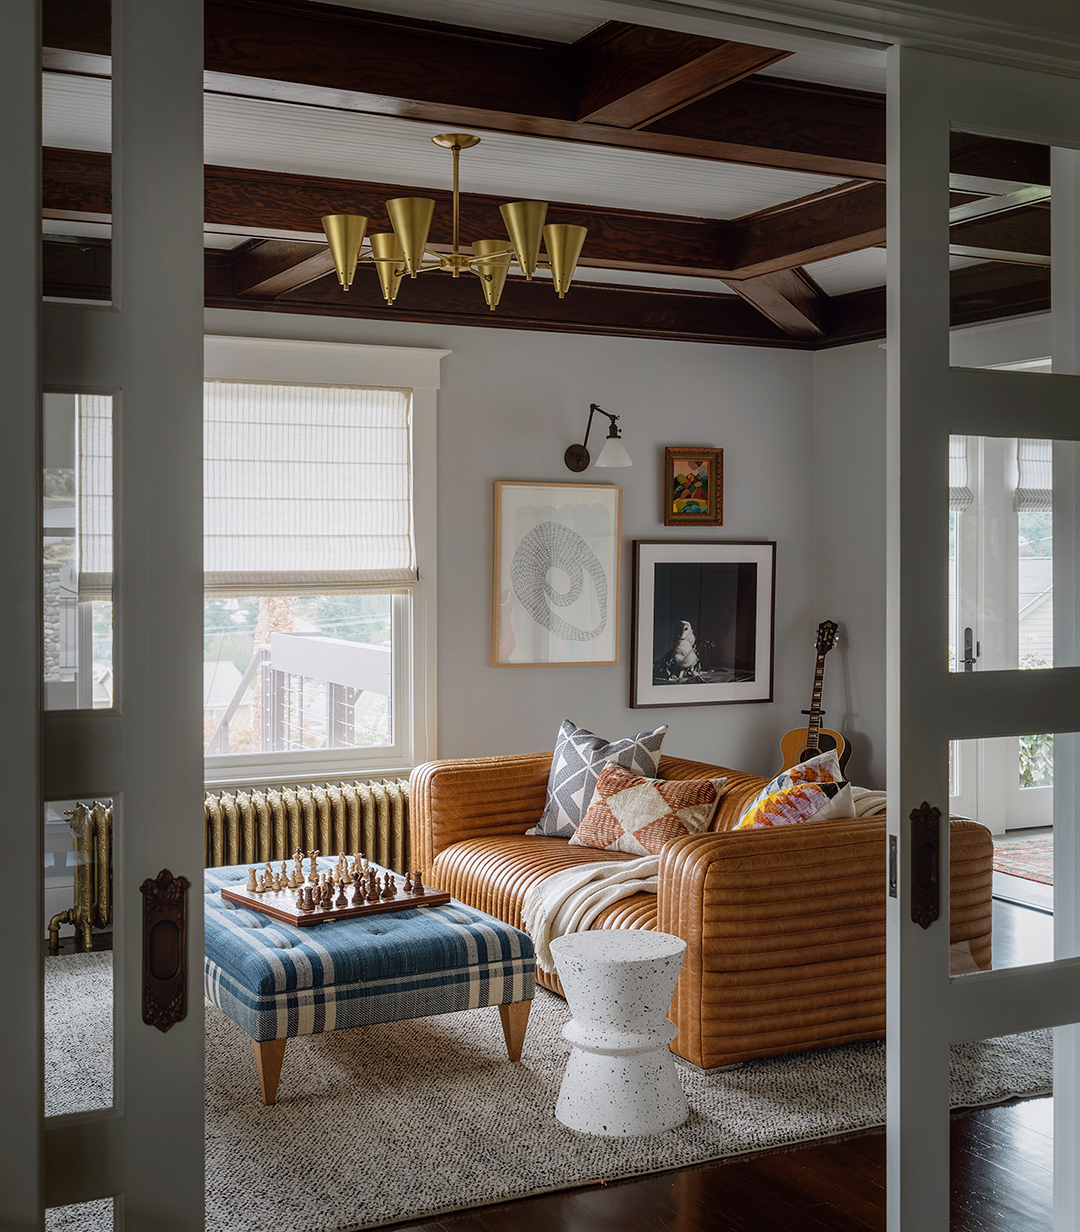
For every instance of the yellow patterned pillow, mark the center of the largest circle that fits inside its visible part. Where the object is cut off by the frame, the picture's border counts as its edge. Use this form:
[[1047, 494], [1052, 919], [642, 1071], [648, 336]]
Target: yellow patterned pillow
[[799, 802]]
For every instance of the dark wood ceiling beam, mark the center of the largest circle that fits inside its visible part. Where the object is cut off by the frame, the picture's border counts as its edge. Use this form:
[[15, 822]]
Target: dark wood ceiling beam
[[268, 268], [331, 56], [249, 201], [830, 224], [635, 75], [790, 299]]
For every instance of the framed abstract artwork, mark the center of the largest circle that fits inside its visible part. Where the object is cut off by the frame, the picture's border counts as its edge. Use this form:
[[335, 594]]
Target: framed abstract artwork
[[702, 623], [693, 486], [556, 593]]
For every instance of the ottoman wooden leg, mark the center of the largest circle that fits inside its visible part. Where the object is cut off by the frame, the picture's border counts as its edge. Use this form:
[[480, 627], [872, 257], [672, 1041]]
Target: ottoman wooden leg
[[515, 1018], [268, 1057]]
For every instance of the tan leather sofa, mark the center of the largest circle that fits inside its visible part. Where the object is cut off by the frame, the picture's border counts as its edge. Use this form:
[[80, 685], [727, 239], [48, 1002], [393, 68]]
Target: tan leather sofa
[[784, 928]]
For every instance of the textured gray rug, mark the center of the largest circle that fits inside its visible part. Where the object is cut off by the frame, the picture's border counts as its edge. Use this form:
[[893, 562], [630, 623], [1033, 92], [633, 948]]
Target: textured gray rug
[[414, 1119]]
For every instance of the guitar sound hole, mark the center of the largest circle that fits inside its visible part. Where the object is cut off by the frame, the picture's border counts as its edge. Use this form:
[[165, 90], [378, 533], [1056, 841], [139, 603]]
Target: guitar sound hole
[[825, 743]]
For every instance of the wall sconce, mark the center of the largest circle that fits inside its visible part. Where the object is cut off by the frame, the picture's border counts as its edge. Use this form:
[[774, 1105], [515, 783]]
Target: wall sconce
[[613, 453]]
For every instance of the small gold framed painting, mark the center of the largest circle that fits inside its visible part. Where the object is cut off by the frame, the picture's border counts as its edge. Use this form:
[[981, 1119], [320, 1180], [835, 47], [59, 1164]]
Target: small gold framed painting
[[693, 486]]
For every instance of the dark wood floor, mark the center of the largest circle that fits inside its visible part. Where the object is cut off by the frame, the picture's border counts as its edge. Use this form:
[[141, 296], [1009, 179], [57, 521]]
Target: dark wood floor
[[1001, 1168]]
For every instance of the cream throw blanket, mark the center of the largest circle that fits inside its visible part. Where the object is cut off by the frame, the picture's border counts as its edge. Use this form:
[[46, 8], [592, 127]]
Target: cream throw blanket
[[569, 901]]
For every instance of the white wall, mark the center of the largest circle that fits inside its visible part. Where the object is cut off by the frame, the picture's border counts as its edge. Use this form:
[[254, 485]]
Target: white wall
[[510, 403], [849, 515]]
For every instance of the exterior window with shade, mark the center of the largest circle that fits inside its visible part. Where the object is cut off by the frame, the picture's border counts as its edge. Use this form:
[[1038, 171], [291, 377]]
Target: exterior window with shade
[[310, 578]]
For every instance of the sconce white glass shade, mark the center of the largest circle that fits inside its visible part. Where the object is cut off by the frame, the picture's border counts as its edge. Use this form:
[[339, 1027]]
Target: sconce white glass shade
[[613, 454]]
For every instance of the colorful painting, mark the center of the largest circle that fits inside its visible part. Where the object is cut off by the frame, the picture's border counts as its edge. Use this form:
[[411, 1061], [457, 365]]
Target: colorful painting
[[693, 486]]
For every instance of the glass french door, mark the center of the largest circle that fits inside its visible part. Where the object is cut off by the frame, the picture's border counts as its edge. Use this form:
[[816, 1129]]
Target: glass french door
[[1001, 603], [136, 1148], [930, 97]]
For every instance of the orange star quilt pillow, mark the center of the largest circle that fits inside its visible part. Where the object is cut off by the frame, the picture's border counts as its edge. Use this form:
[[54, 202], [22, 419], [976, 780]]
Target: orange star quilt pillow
[[641, 816]]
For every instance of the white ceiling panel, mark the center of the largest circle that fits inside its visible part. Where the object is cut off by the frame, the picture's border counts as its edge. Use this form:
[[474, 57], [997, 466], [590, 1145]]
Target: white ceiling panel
[[829, 71], [858, 271], [242, 132]]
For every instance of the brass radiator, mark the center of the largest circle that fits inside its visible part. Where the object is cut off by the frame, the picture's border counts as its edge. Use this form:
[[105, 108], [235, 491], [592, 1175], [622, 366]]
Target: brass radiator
[[91, 828], [251, 827]]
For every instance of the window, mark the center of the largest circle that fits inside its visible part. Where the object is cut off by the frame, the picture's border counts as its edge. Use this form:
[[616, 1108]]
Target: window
[[318, 646]]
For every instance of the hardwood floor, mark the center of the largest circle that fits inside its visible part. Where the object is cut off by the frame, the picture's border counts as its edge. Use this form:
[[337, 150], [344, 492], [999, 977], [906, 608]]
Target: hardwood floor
[[1002, 1160]]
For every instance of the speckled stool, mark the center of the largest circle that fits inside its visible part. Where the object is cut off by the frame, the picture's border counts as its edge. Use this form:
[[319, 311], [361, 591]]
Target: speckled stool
[[621, 1077]]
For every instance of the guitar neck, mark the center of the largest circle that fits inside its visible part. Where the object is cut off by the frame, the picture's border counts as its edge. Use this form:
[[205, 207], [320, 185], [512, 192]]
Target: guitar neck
[[813, 723]]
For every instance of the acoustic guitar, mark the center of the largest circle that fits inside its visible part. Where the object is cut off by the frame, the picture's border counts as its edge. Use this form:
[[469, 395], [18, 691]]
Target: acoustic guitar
[[802, 743]]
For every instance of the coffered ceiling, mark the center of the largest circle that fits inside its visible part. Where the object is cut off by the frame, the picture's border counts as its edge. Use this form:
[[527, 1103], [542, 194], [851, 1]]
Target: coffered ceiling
[[731, 192]]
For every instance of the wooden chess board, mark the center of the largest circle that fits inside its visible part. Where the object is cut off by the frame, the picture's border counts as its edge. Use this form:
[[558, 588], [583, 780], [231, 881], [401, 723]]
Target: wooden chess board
[[281, 904]]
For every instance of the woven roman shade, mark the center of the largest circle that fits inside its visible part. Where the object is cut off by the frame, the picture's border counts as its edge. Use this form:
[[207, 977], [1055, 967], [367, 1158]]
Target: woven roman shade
[[95, 506], [307, 490], [960, 494], [1035, 482]]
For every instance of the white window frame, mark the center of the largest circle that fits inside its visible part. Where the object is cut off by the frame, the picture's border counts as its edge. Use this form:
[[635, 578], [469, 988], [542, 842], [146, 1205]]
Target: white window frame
[[414, 614]]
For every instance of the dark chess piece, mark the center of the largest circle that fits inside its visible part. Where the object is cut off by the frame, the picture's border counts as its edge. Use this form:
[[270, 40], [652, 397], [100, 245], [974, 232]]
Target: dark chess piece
[[358, 888], [417, 884], [372, 895], [341, 900], [308, 897], [407, 885], [389, 889]]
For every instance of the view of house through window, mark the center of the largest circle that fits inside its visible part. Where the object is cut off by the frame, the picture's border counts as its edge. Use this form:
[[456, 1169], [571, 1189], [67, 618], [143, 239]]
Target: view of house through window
[[287, 673]]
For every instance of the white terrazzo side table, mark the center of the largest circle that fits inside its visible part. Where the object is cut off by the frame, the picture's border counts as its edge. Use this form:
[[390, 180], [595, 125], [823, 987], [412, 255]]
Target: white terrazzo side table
[[621, 1078]]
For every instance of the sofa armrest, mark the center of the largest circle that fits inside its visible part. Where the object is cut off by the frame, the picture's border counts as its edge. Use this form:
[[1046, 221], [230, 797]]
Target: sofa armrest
[[474, 797], [785, 933]]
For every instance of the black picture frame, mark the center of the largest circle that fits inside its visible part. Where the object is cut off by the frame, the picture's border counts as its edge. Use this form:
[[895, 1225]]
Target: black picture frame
[[703, 622]]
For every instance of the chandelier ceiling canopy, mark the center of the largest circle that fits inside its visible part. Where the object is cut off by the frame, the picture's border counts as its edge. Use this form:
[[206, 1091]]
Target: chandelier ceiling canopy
[[404, 249]]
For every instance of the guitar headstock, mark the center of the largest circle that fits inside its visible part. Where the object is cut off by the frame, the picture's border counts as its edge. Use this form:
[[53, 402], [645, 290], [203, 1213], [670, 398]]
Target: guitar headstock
[[826, 636]]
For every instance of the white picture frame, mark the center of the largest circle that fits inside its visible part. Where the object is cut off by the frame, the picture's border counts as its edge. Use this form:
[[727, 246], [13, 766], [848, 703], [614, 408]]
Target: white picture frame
[[702, 623], [556, 574]]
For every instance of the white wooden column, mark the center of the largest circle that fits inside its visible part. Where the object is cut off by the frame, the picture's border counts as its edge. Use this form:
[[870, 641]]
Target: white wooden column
[[1065, 306], [21, 821]]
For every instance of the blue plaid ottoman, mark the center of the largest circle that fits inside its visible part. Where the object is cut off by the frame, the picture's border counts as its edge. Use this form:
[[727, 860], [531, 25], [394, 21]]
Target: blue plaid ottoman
[[276, 981]]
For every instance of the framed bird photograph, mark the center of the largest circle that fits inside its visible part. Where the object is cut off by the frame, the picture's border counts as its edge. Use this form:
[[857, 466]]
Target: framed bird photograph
[[693, 486], [702, 623]]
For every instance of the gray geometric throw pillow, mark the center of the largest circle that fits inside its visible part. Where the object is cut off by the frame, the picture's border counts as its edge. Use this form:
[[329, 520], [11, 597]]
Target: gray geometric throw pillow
[[579, 757]]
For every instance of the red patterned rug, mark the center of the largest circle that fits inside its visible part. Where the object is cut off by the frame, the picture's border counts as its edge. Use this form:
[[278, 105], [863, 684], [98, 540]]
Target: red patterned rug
[[1032, 859]]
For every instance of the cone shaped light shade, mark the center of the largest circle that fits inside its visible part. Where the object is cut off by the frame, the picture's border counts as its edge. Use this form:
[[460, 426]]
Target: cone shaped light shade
[[492, 273], [389, 263], [524, 222], [345, 234], [411, 219], [613, 454], [564, 243]]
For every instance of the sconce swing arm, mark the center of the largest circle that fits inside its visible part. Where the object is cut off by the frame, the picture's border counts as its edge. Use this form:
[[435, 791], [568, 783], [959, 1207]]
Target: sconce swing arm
[[577, 456]]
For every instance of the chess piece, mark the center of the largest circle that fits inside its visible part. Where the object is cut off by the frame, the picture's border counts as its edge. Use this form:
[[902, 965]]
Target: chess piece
[[417, 884], [313, 876], [309, 900], [389, 889], [298, 861], [260, 888], [250, 887], [341, 900], [284, 875], [407, 885], [275, 882], [372, 895], [268, 873]]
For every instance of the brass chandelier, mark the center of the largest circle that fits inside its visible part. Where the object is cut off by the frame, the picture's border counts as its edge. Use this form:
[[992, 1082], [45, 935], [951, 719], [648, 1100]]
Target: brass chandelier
[[404, 249]]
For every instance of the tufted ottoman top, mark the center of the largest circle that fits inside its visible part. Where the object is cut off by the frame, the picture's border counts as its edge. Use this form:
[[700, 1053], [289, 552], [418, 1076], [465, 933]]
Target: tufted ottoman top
[[266, 956]]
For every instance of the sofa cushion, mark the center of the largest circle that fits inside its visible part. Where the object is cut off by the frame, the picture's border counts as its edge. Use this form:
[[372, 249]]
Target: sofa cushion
[[579, 757], [499, 870], [642, 815], [825, 768], [799, 802]]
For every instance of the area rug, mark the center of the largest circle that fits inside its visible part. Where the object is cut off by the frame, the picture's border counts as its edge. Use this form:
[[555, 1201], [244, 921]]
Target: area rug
[[1032, 859], [411, 1120]]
